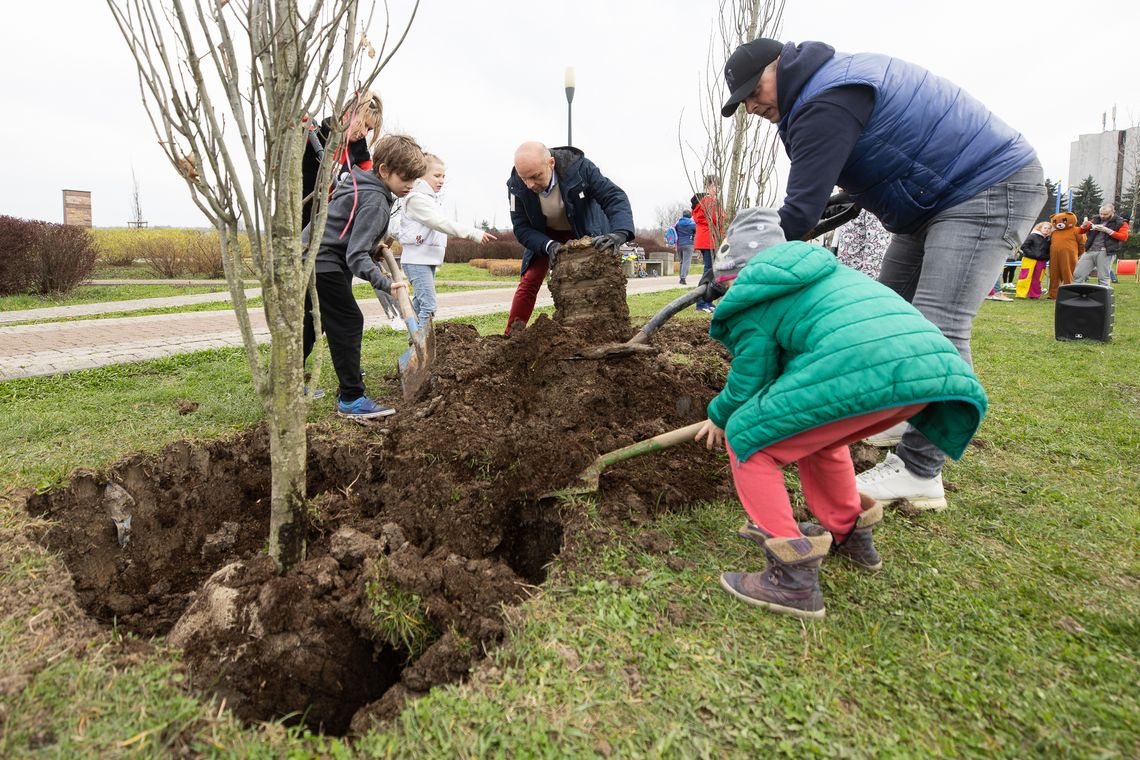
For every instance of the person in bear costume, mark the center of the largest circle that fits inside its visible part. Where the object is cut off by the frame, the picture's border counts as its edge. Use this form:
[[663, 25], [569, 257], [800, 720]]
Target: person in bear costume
[[1066, 244]]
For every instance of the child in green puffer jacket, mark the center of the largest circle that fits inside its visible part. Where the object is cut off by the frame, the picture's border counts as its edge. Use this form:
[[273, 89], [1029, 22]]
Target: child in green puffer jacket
[[822, 356]]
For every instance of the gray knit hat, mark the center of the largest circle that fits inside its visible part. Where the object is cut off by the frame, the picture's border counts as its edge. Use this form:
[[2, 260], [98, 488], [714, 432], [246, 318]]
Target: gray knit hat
[[753, 230]]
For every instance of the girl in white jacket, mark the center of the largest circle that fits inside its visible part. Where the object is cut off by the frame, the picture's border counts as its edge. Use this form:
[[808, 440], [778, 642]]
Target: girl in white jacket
[[423, 234]]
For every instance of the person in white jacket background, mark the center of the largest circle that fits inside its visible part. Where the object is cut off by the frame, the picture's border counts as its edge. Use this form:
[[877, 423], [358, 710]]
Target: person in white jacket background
[[423, 233]]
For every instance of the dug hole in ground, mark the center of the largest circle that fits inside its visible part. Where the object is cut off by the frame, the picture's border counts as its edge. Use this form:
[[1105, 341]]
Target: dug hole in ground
[[421, 532]]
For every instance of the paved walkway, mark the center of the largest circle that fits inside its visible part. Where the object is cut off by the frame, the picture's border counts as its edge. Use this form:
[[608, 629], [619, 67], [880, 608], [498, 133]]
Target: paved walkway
[[50, 348], [139, 304]]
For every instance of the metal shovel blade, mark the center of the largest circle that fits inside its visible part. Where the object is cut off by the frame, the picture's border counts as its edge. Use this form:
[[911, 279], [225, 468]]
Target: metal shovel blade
[[414, 365]]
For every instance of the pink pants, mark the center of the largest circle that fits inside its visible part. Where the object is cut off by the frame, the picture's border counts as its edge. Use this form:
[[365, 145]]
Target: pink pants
[[826, 474], [522, 305]]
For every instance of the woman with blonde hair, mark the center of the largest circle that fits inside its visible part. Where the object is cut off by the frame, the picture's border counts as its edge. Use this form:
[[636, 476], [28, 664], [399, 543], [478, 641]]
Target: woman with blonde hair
[[1034, 257]]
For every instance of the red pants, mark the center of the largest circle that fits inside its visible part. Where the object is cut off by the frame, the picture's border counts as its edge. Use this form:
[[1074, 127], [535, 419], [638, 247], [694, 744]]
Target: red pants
[[522, 305], [826, 474]]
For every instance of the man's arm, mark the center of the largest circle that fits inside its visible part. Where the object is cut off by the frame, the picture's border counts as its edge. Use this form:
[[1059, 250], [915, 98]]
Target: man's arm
[[612, 199], [820, 143], [1120, 234]]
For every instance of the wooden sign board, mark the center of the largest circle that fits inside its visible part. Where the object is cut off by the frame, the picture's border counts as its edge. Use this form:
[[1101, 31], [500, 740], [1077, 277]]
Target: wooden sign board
[[77, 207]]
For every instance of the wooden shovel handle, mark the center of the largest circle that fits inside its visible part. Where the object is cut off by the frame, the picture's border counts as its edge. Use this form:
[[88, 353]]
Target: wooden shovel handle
[[402, 298], [650, 445]]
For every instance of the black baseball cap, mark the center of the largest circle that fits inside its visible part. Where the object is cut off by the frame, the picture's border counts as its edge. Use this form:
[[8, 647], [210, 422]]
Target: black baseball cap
[[743, 69]]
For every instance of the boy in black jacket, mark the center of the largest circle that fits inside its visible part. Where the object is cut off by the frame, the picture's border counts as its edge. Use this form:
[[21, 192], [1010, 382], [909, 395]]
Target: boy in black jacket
[[357, 218]]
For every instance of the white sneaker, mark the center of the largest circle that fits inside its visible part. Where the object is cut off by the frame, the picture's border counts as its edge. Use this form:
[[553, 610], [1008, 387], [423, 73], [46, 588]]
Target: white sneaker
[[889, 480], [888, 438]]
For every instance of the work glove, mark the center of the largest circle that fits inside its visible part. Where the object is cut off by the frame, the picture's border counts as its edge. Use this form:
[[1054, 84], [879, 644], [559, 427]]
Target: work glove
[[611, 241], [552, 247], [713, 289]]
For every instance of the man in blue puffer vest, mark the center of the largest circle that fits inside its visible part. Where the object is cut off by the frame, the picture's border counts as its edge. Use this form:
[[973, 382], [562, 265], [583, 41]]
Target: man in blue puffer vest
[[957, 187], [557, 195]]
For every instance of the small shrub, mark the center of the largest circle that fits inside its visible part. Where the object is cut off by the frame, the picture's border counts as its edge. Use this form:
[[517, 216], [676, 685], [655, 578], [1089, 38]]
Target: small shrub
[[16, 239], [43, 258], [480, 263], [203, 255], [504, 268], [165, 258], [116, 257], [64, 256]]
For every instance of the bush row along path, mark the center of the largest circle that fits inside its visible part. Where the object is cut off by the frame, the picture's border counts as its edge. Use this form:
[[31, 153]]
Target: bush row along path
[[48, 349]]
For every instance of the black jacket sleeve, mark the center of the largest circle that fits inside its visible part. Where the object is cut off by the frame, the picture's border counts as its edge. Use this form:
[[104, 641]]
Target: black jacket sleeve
[[819, 144], [1035, 247]]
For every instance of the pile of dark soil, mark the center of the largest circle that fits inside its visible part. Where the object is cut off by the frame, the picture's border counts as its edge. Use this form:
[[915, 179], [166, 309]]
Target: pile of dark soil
[[420, 531]]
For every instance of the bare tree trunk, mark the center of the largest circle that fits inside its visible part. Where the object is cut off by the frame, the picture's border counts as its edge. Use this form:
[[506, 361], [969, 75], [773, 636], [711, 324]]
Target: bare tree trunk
[[285, 310], [274, 66]]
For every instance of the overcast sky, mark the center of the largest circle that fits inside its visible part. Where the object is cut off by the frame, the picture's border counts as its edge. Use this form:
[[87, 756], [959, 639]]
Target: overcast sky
[[475, 79]]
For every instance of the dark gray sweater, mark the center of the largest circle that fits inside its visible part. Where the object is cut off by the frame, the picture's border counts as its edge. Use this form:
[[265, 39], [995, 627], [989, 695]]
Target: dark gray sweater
[[369, 221]]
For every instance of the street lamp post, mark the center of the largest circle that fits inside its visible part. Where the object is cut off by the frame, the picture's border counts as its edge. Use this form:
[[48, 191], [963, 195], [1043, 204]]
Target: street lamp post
[[569, 105]]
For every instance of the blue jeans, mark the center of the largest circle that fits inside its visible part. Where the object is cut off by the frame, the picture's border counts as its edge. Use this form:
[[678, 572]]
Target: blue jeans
[[422, 279], [947, 267], [706, 258], [686, 252]]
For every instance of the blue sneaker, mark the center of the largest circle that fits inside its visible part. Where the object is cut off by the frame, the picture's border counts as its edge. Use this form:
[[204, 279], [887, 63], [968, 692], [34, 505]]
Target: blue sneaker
[[362, 408], [312, 394]]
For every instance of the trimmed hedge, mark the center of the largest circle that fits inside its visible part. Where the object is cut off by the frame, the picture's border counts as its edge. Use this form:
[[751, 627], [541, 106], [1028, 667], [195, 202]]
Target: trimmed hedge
[[43, 258], [502, 268]]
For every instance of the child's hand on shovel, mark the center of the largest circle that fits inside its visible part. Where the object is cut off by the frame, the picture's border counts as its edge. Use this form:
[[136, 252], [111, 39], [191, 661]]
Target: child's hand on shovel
[[715, 435]]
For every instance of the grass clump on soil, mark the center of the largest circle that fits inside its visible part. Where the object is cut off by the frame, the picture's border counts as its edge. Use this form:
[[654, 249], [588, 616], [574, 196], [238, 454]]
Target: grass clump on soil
[[1005, 626], [398, 616]]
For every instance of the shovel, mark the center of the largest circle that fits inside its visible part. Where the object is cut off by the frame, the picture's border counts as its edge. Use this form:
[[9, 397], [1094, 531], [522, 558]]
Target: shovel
[[587, 482], [840, 209], [414, 365]]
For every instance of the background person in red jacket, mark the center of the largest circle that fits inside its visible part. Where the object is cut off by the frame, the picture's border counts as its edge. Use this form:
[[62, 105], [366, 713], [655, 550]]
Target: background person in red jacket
[[708, 215]]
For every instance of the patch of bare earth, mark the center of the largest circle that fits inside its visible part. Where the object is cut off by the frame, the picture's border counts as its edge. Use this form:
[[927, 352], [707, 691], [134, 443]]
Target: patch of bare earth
[[421, 532]]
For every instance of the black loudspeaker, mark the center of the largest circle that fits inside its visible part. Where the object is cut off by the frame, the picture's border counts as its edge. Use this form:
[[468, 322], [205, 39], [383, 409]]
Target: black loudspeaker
[[1083, 312]]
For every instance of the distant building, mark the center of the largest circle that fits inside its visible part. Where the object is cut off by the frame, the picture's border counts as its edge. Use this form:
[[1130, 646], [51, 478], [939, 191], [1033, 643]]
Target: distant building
[[1111, 157], [77, 207]]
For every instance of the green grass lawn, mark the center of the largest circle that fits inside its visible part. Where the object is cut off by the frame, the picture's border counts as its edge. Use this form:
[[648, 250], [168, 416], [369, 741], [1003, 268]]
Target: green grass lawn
[[1008, 625], [134, 272], [468, 272], [103, 294]]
